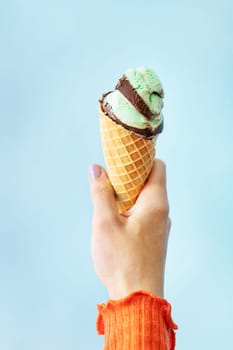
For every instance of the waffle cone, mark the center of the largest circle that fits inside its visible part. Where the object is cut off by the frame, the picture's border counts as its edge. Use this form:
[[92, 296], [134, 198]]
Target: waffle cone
[[128, 158]]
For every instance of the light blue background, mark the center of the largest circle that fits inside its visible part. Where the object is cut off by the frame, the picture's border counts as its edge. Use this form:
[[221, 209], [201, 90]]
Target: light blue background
[[57, 57]]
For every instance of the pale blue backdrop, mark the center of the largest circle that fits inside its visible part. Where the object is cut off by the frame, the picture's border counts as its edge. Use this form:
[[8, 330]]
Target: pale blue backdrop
[[56, 58]]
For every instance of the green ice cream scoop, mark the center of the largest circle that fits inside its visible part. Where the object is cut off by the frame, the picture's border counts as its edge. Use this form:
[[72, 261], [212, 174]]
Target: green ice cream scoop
[[137, 102]]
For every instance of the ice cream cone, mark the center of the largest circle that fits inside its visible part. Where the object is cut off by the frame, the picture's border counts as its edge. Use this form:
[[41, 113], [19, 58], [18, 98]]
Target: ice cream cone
[[128, 158]]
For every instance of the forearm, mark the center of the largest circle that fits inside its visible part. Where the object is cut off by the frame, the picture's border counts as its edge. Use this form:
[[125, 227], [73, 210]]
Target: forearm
[[141, 321]]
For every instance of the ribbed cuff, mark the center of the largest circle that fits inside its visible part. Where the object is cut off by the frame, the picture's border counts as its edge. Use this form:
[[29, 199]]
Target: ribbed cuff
[[141, 321]]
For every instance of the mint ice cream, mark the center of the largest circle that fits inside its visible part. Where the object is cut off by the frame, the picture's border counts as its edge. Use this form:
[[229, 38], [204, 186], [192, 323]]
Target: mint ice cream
[[137, 102]]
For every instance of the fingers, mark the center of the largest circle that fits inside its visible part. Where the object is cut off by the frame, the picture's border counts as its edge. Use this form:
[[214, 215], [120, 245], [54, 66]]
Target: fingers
[[157, 177], [102, 194], [154, 194]]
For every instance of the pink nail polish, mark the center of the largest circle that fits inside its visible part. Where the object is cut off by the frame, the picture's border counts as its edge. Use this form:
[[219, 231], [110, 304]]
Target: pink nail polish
[[94, 171]]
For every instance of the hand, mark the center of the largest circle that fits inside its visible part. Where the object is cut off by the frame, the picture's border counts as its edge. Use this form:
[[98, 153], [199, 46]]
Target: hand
[[129, 250]]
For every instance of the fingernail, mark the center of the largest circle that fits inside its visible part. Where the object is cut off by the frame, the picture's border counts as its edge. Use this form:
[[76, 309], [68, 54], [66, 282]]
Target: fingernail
[[94, 171]]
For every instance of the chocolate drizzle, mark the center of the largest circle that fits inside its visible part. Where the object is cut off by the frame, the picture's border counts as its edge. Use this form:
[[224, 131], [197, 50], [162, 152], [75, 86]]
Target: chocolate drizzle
[[146, 133], [133, 97]]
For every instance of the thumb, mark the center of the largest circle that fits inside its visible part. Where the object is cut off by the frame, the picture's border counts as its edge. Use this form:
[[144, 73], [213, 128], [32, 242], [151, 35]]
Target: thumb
[[102, 193]]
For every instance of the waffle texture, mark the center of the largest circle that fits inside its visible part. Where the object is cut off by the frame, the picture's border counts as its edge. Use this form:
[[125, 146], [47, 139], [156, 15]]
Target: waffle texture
[[128, 158], [141, 321]]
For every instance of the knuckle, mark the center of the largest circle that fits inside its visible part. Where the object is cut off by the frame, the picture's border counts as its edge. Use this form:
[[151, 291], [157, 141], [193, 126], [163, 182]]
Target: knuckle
[[169, 224], [161, 209], [158, 214]]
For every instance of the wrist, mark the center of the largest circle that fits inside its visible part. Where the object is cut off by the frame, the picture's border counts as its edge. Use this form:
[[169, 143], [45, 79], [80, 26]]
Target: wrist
[[122, 291]]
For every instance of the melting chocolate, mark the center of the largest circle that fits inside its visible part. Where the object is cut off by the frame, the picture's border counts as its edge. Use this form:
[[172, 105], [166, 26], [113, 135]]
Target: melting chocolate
[[133, 97], [146, 133]]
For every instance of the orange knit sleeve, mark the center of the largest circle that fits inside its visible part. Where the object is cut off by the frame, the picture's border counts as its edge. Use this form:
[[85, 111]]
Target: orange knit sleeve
[[141, 321]]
